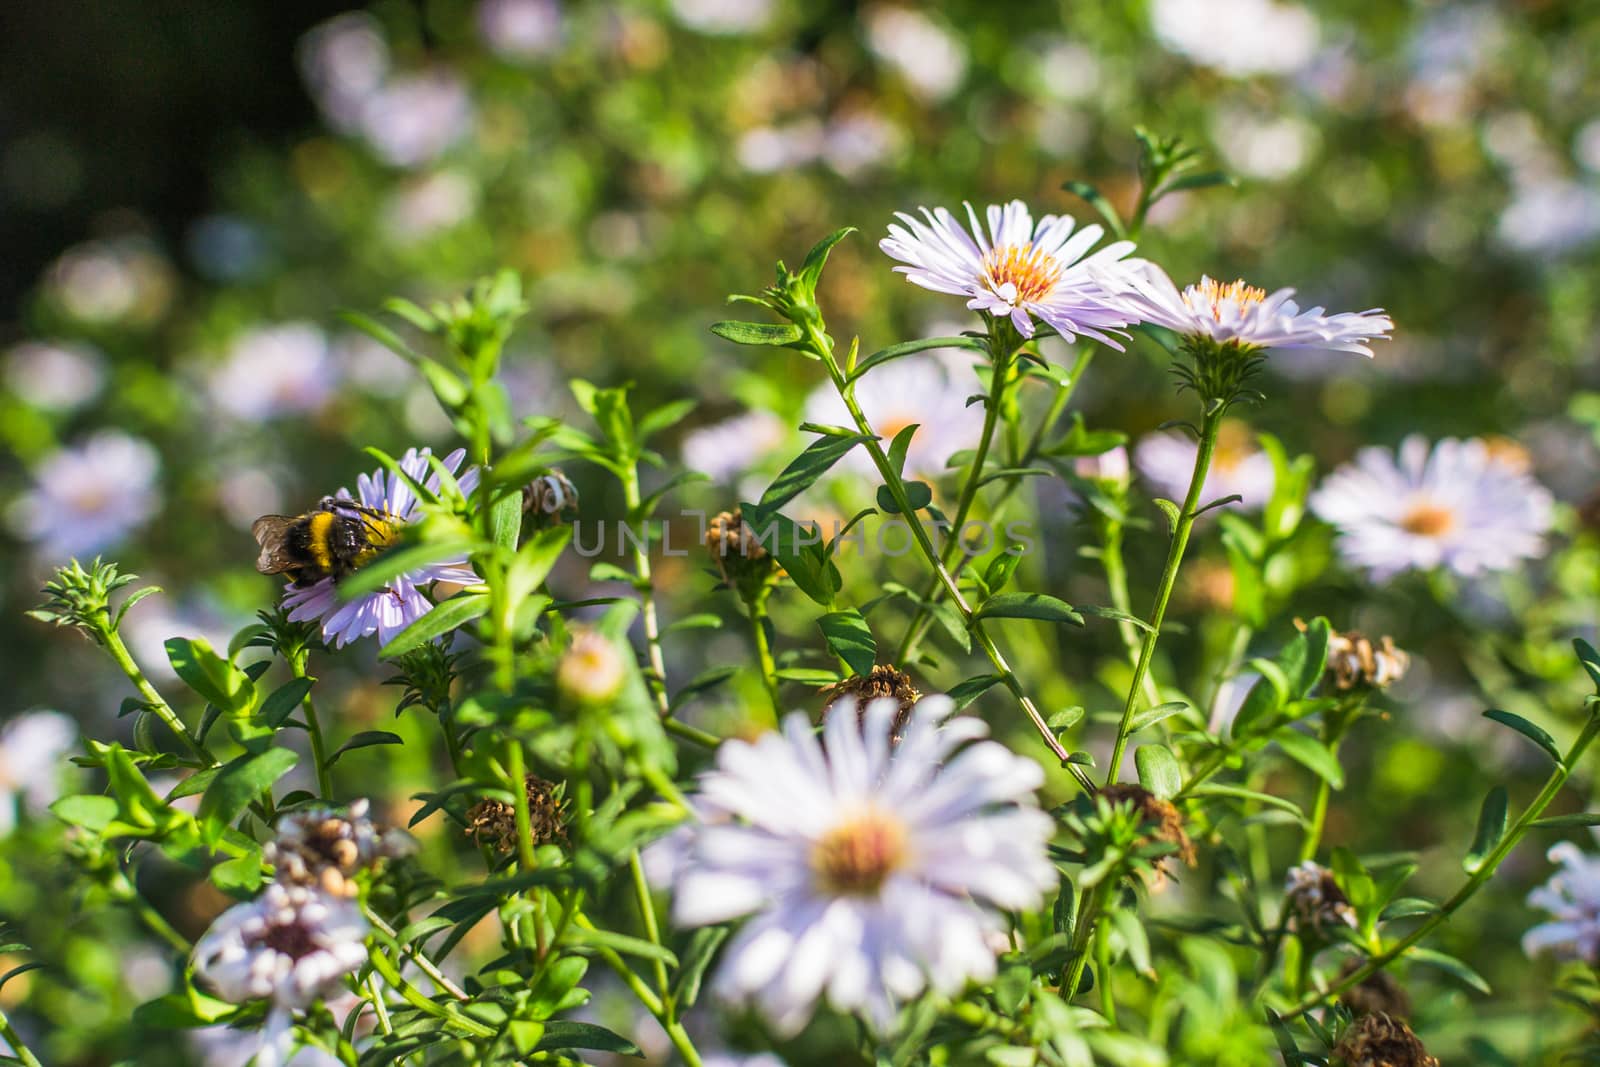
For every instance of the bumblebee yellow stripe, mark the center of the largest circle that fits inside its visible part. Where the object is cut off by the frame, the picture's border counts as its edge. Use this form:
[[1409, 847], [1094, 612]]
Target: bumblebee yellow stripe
[[317, 531]]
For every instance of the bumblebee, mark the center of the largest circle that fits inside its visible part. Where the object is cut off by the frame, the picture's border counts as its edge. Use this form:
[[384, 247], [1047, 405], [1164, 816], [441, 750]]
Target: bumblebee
[[331, 541]]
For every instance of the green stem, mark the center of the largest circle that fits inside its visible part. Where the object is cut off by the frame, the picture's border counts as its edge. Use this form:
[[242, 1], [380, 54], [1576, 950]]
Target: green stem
[[1319, 809], [416, 955], [756, 607], [1513, 835], [1169, 576], [891, 480], [158, 705], [675, 1032], [691, 733], [1116, 570], [516, 764], [417, 999], [319, 748], [18, 1049], [379, 1008], [652, 932], [656, 676]]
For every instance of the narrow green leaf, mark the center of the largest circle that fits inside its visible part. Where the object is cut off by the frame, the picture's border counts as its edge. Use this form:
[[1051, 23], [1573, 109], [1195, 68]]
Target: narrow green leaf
[[1102, 207], [697, 958], [505, 521], [850, 638], [1589, 658], [1566, 822], [623, 943], [1491, 829], [1113, 613], [817, 258], [1312, 754], [389, 565], [807, 467], [282, 701], [704, 681], [906, 348], [1151, 716], [1158, 770], [1451, 966], [237, 784], [964, 693], [452, 614], [1233, 792], [1171, 511], [757, 333], [365, 739], [565, 1033], [1028, 606], [209, 675], [1527, 729]]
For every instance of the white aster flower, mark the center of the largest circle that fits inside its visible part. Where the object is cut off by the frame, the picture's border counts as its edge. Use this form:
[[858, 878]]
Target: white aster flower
[[1240, 314], [913, 390], [344, 61], [727, 450], [871, 872], [1016, 269], [54, 375], [1238, 467], [273, 371], [400, 603], [32, 750], [929, 57], [89, 497], [520, 30], [1238, 37], [429, 205], [723, 17], [414, 118], [856, 142], [1572, 897], [1459, 505], [291, 945]]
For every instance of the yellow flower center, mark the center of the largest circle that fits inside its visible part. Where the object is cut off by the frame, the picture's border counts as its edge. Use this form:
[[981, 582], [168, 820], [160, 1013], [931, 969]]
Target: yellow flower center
[[1029, 272], [1427, 519], [1210, 296], [858, 855]]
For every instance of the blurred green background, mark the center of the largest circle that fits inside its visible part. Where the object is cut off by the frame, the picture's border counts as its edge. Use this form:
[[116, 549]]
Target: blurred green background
[[190, 192]]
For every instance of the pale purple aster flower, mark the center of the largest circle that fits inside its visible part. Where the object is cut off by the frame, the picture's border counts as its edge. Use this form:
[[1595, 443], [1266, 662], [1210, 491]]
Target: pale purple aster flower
[[89, 497], [414, 118], [1236, 313], [1238, 37], [1238, 467], [33, 747], [429, 205], [727, 450], [857, 141], [1017, 269], [291, 945], [1458, 505], [400, 603], [1110, 466], [1572, 897], [769, 149], [274, 371], [344, 61], [870, 872], [54, 375], [921, 391], [931, 59], [520, 30]]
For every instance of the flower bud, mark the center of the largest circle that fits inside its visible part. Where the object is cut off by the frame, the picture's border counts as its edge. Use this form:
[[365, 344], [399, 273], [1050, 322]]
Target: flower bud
[[1109, 467], [591, 671]]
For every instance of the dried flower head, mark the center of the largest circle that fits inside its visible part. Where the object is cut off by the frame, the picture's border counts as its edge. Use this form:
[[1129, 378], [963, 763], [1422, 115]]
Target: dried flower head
[[494, 822], [1381, 1041], [1378, 994], [1354, 661], [737, 552], [1315, 900], [1165, 819], [882, 681], [324, 847], [291, 944], [549, 499]]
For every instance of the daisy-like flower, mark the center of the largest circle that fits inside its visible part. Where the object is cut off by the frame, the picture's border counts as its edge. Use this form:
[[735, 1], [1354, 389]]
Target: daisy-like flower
[[290, 945], [1459, 505], [1572, 897], [1239, 314], [727, 450], [1018, 270], [924, 392], [32, 749], [871, 872], [90, 497], [1238, 467], [400, 603]]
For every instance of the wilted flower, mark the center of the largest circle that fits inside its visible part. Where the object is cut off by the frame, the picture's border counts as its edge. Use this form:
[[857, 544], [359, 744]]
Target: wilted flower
[[1380, 1041], [290, 945], [1315, 901], [89, 497], [1018, 270], [1572, 897], [591, 672], [550, 498], [1162, 818], [1455, 506], [324, 848], [274, 371], [913, 391], [494, 822], [727, 450], [520, 30], [54, 375], [1238, 467], [1238, 37], [872, 871], [737, 553], [1354, 660], [400, 603], [1242, 315], [930, 58], [858, 691], [33, 747]]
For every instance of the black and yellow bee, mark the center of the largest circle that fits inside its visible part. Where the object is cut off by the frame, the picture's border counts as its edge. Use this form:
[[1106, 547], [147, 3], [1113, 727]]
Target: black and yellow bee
[[328, 542]]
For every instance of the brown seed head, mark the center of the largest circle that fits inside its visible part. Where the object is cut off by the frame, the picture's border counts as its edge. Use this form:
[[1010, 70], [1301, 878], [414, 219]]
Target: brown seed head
[[1315, 900], [1165, 820], [1356, 661], [1379, 994], [549, 499], [736, 552], [882, 681], [494, 822], [324, 847], [1382, 1041]]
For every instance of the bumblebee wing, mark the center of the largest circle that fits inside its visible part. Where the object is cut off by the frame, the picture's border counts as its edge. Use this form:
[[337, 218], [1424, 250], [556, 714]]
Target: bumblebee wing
[[270, 532]]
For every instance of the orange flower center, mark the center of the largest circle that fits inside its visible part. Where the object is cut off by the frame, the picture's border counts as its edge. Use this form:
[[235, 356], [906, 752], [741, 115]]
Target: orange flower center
[[1428, 520], [1029, 272], [1210, 296], [859, 854]]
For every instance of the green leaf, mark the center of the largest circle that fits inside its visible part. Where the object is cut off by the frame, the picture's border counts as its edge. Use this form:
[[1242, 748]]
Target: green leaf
[[807, 467], [1028, 606], [1311, 753], [1491, 829], [1130, 926], [242, 874], [966, 692], [918, 495], [565, 1033], [211, 676], [181, 1011], [1151, 716], [697, 958], [389, 565], [1306, 657], [88, 810], [505, 521], [805, 560], [452, 614], [807, 676], [623, 943], [1113, 613], [906, 348], [1589, 658], [1195, 181], [702, 682], [900, 446], [817, 258], [365, 739], [1564, 822], [665, 417], [1528, 730], [1233, 792], [757, 333], [1158, 770], [850, 638], [280, 704], [1171, 511], [1102, 206], [1451, 966], [238, 783]]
